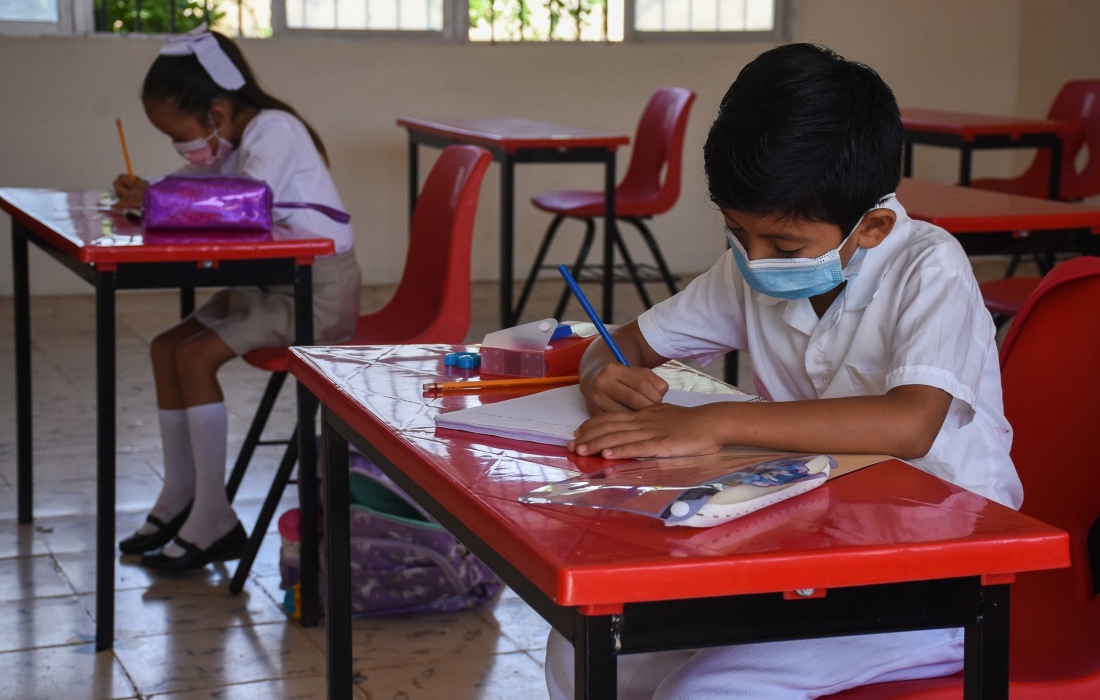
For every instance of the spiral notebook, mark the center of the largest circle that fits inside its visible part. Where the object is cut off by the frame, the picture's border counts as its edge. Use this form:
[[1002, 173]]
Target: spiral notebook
[[550, 417]]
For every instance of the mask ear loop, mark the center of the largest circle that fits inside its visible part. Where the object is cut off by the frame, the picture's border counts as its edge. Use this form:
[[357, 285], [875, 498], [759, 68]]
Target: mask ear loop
[[216, 134], [878, 205]]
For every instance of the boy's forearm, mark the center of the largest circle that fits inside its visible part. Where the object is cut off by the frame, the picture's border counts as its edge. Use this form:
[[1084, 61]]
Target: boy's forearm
[[904, 423]]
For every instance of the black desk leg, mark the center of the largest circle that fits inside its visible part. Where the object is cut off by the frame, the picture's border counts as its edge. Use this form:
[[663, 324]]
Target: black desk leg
[[1055, 181], [334, 465], [594, 657], [907, 159], [24, 444], [729, 368], [414, 178], [307, 454], [609, 235], [105, 460], [507, 237], [187, 301], [965, 153], [985, 674]]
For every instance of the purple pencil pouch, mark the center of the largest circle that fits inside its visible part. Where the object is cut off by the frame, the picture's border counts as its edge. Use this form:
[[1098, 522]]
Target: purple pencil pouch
[[216, 203]]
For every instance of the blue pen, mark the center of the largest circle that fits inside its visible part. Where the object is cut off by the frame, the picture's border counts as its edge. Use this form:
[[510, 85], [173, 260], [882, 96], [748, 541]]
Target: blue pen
[[564, 270]]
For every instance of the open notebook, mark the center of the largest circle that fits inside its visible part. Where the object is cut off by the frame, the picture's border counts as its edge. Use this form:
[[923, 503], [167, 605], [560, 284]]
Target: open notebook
[[551, 416]]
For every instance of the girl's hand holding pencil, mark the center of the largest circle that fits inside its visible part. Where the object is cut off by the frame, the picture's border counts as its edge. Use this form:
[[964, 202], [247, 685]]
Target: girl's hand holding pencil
[[130, 194], [129, 189]]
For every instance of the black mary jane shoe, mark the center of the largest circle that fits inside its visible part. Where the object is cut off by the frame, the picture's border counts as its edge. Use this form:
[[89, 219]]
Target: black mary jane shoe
[[230, 546], [140, 544]]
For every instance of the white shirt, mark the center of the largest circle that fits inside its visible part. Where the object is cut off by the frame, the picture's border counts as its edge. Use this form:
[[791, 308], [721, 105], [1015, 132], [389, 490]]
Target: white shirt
[[912, 314], [276, 148]]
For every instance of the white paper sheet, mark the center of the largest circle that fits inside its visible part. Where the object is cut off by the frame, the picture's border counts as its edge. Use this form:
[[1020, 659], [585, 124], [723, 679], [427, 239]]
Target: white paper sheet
[[550, 417]]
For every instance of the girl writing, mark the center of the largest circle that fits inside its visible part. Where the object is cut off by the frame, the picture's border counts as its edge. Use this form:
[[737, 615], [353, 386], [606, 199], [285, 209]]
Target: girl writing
[[201, 93]]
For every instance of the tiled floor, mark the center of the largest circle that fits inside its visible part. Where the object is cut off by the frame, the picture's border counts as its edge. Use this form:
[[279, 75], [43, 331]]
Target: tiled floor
[[188, 638]]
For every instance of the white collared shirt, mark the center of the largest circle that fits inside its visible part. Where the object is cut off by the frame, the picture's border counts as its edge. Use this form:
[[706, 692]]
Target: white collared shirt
[[276, 147], [912, 314]]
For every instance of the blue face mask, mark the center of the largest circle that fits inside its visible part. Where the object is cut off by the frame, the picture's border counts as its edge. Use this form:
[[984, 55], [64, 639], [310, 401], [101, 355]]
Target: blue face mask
[[797, 278]]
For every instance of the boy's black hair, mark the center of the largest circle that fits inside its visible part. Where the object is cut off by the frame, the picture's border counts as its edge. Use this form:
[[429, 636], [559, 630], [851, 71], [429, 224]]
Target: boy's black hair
[[183, 81], [805, 134]]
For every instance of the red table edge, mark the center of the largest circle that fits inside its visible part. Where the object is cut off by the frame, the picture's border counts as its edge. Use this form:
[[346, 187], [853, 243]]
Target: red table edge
[[303, 250], [592, 586], [1013, 127], [961, 224], [1039, 551], [1065, 215], [512, 145]]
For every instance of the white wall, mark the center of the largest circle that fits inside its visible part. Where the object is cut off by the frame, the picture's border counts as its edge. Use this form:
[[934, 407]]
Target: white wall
[[1059, 43], [61, 96]]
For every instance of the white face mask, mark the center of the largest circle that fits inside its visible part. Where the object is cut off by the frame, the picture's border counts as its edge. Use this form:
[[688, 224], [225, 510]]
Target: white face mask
[[199, 151]]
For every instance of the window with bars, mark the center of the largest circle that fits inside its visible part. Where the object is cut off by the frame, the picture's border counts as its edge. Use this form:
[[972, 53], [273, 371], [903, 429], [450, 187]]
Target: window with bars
[[616, 20], [233, 17], [37, 17], [366, 15], [38, 11], [704, 15], [496, 21]]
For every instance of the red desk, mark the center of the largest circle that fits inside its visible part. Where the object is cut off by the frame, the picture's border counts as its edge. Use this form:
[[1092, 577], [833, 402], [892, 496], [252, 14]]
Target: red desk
[[968, 132], [514, 141], [885, 548], [109, 251], [995, 222]]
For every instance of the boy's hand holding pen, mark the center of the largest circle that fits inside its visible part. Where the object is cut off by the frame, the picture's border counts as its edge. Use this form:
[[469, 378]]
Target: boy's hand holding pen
[[609, 383], [614, 387]]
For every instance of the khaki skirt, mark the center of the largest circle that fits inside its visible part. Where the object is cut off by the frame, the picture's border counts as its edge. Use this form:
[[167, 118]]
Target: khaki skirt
[[248, 318]]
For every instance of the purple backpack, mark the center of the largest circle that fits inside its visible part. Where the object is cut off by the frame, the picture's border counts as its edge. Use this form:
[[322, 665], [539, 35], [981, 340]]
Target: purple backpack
[[402, 560]]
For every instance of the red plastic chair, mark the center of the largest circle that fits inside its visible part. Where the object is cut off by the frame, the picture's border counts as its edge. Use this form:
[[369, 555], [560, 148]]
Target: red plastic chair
[[431, 305], [1051, 377], [651, 186], [1078, 100]]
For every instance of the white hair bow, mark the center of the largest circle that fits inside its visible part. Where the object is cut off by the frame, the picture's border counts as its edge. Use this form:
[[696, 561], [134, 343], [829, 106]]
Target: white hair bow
[[215, 62]]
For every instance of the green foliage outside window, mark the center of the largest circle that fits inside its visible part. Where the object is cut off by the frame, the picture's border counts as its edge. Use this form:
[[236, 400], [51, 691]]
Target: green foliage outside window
[[154, 16], [512, 19]]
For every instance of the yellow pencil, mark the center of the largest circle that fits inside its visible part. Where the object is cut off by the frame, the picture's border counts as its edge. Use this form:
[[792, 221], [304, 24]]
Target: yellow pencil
[[500, 383], [125, 151]]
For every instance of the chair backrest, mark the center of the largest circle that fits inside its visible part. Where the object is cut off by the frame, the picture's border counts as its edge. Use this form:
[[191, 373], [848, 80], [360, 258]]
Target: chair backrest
[[1050, 367], [432, 302], [1079, 101], [656, 161]]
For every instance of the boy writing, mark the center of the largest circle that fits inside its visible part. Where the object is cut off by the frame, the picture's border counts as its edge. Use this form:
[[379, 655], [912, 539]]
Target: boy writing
[[867, 334]]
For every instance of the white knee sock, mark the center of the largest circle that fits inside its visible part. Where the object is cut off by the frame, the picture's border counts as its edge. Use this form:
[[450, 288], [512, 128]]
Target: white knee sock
[[179, 469], [211, 515]]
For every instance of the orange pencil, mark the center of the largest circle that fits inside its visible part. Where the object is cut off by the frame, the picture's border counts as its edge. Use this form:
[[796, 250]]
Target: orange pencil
[[500, 383], [125, 151]]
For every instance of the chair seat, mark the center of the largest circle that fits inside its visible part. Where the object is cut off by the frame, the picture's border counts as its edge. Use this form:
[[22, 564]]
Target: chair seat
[[950, 688], [268, 359], [585, 204], [1007, 296]]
